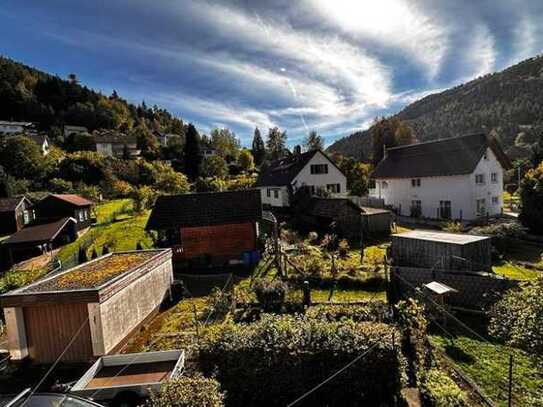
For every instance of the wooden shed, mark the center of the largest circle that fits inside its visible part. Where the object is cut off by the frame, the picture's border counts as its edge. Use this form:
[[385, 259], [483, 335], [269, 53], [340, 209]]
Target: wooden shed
[[445, 251], [15, 213], [97, 305], [58, 206]]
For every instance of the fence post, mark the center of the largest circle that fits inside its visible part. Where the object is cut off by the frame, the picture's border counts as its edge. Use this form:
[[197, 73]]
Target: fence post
[[510, 395]]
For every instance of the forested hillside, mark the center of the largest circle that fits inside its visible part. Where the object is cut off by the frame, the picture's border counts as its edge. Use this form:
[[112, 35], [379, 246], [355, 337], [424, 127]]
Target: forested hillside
[[27, 94], [509, 104]]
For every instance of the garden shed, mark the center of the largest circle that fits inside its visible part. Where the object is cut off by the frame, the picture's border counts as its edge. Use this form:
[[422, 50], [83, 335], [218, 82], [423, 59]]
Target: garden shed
[[57, 206], [97, 305], [443, 251]]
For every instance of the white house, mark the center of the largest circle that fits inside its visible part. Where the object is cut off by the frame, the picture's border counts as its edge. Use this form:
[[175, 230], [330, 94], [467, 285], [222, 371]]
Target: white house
[[114, 144], [312, 169], [456, 178], [8, 128]]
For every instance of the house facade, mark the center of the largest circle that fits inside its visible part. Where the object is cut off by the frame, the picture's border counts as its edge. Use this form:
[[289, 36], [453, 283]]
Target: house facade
[[313, 170], [207, 229], [9, 127], [459, 178], [112, 144], [58, 206], [15, 213]]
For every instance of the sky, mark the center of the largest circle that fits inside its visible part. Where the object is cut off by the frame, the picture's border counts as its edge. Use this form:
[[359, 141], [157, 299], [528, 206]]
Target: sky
[[325, 65]]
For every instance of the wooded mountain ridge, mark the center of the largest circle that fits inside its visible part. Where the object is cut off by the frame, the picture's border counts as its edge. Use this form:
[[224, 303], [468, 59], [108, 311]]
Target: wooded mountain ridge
[[507, 104]]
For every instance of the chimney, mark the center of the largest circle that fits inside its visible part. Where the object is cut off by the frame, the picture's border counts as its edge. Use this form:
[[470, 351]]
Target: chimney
[[297, 150]]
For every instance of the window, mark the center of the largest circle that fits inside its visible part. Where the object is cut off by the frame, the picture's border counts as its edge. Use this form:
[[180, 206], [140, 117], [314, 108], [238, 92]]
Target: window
[[416, 208], [268, 193], [481, 207], [495, 200], [276, 193], [445, 209], [415, 182], [81, 216], [26, 217], [319, 168], [372, 184], [494, 177], [333, 188], [480, 179]]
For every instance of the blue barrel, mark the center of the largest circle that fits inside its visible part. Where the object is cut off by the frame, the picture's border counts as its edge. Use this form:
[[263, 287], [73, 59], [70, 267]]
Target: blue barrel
[[246, 256], [255, 256]]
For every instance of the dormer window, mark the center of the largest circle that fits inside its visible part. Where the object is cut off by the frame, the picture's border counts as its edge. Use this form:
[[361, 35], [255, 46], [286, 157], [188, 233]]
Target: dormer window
[[319, 168]]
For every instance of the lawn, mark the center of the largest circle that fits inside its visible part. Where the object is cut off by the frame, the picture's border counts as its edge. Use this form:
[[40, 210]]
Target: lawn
[[346, 296], [488, 365], [515, 271], [118, 231]]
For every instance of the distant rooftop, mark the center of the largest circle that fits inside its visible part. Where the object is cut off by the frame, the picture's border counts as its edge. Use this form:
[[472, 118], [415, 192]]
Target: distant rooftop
[[454, 238]]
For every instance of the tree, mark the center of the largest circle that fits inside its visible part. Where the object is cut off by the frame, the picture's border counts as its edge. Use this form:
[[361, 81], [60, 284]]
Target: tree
[[189, 391], [313, 141], [531, 196], [357, 174], [225, 144], [82, 255], [258, 148], [192, 155], [276, 143], [246, 160], [143, 198], [214, 166], [21, 157], [537, 151], [146, 142], [387, 133]]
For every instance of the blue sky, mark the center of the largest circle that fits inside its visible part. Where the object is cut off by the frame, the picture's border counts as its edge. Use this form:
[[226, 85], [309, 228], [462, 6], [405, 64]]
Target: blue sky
[[328, 65]]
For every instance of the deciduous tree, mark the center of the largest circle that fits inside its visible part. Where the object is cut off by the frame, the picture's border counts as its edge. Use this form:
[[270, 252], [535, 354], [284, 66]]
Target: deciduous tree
[[313, 141], [276, 143]]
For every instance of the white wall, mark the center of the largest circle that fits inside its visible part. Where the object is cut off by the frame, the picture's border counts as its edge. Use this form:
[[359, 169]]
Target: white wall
[[334, 176], [104, 149], [461, 190], [280, 201]]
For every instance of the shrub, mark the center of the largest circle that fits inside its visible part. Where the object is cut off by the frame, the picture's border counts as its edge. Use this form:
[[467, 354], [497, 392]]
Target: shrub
[[312, 237], [373, 311], [275, 360], [453, 227], [120, 189], [60, 186], [441, 391], [517, 318], [188, 391], [217, 304], [531, 195], [410, 316], [343, 248], [143, 198], [270, 294], [501, 233]]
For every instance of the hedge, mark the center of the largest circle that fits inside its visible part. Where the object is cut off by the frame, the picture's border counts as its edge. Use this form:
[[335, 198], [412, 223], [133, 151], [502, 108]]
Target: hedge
[[441, 391], [187, 391], [275, 360], [372, 311]]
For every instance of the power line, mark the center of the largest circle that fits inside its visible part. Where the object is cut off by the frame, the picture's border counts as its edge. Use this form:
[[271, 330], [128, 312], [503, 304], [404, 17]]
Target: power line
[[348, 365]]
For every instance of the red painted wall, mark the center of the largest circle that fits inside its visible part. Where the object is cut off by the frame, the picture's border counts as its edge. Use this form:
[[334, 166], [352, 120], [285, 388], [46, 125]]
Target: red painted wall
[[227, 241]]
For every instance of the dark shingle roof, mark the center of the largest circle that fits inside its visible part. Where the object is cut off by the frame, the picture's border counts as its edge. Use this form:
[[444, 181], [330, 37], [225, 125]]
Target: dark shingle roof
[[206, 209], [9, 204], [329, 207], [39, 233], [283, 171], [453, 156]]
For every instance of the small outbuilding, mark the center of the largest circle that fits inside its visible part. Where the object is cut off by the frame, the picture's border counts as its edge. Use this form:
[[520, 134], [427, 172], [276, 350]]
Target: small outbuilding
[[57, 206], [350, 220], [443, 251], [94, 307], [36, 240], [207, 229], [15, 213]]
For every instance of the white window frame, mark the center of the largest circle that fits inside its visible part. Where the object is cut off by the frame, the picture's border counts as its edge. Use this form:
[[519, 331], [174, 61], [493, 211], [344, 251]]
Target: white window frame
[[317, 169], [480, 179], [494, 177]]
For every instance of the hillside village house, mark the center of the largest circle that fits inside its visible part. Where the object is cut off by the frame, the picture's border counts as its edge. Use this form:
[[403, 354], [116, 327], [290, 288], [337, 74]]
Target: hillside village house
[[457, 178], [207, 229], [15, 213], [42, 141], [58, 206], [9, 127], [69, 130], [312, 169], [113, 144]]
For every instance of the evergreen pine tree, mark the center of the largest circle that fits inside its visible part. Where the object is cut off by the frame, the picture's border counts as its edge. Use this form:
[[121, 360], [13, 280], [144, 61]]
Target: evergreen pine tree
[[192, 155], [82, 256], [258, 148]]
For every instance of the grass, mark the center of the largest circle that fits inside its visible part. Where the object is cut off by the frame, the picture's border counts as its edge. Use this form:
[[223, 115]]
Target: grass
[[515, 271], [109, 209], [488, 365], [347, 296], [120, 235]]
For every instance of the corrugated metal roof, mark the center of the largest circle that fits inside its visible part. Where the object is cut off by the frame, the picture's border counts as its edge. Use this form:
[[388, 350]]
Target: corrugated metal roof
[[443, 237]]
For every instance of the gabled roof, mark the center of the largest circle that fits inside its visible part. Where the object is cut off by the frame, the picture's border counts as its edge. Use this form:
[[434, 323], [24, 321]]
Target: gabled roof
[[10, 204], [205, 209], [453, 156], [73, 199], [283, 171], [330, 207], [40, 233]]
